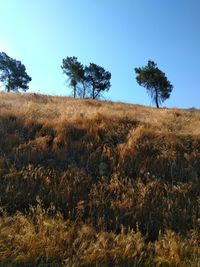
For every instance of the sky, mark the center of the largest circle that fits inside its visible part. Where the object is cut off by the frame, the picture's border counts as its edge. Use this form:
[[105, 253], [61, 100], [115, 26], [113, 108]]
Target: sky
[[118, 35]]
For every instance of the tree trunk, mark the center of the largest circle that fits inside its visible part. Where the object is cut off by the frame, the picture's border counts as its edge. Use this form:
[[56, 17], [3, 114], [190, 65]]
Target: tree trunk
[[7, 86], [84, 89], [93, 94], [156, 99], [74, 91], [95, 97]]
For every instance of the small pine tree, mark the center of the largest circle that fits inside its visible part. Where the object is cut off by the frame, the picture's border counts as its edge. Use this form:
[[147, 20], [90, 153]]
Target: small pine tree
[[155, 81], [75, 72], [13, 74], [98, 80]]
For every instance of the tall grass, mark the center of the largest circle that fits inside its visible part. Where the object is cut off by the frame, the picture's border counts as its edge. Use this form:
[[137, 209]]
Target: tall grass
[[88, 183]]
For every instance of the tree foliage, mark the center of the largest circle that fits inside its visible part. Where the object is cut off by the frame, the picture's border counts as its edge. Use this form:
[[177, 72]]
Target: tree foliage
[[98, 79], [75, 72], [155, 81], [87, 82], [13, 73]]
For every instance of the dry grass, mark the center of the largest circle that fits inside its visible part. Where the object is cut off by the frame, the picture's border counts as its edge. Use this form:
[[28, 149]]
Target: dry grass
[[44, 236], [124, 178]]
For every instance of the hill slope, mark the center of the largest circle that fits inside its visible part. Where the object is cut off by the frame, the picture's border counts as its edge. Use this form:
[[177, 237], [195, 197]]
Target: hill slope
[[103, 180]]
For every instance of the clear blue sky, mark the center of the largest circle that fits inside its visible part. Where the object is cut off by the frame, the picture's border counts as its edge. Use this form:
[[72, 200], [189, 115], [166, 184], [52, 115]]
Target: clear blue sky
[[116, 34]]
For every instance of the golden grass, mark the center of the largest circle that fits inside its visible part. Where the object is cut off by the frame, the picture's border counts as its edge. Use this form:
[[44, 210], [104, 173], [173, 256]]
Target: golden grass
[[44, 236], [124, 178]]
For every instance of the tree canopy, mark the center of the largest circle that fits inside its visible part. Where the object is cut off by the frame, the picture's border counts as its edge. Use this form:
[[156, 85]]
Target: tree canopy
[[87, 82], [155, 81], [98, 80], [75, 72], [13, 74]]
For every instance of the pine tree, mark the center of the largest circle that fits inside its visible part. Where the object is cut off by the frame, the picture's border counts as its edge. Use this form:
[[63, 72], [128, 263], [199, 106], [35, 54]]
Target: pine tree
[[155, 81]]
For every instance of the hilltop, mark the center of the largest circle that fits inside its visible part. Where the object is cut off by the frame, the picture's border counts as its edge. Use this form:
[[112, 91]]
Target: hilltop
[[96, 183]]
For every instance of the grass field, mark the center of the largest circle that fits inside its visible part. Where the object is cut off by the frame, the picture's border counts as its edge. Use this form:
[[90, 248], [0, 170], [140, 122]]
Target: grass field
[[96, 183]]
